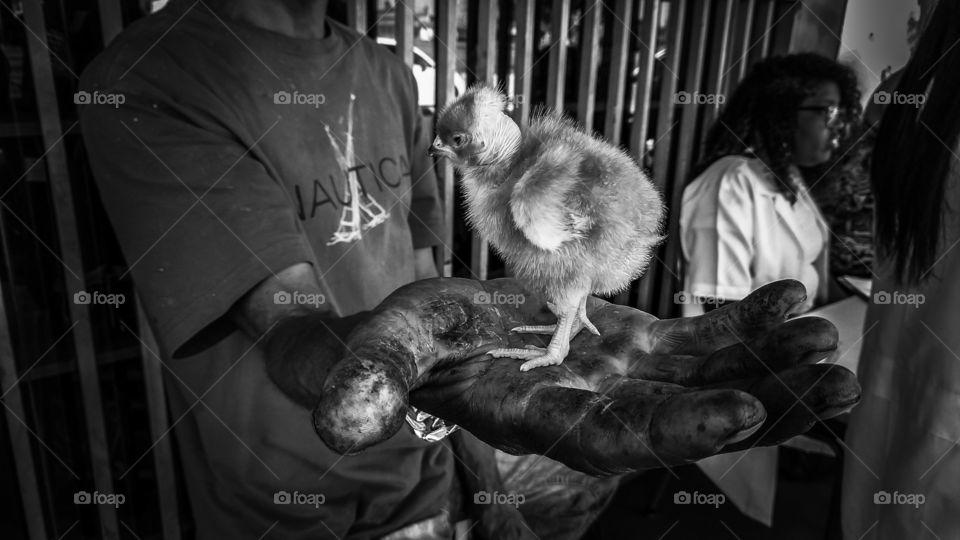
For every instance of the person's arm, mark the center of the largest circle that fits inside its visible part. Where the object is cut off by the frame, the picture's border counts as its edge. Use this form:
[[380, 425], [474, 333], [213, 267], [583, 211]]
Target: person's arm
[[425, 265], [720, 239], [301, 342]]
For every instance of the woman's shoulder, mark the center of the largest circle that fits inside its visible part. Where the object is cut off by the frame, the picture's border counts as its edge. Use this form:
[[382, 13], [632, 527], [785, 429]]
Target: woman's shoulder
[[736, 172]]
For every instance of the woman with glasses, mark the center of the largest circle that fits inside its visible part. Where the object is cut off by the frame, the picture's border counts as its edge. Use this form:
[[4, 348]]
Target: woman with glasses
[[747, 217]]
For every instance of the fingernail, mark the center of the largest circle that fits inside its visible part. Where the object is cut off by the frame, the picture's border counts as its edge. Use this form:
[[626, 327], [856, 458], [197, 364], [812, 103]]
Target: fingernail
[[742, 434]]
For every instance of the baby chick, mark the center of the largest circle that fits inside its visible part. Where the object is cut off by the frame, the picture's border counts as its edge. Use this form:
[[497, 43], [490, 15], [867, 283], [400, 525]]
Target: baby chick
[[570, 214]]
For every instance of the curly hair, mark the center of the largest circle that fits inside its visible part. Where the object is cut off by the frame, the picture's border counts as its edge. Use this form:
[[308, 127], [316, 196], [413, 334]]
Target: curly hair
[[760, 119]]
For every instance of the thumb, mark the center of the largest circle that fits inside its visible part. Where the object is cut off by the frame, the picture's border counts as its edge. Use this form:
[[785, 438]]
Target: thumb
[[364, 397]]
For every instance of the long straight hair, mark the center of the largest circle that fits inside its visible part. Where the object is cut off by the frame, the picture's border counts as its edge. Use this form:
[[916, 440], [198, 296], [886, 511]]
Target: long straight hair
[[915, 148]]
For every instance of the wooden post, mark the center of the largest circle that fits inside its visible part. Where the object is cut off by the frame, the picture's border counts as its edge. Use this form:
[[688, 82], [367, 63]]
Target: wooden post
[[664, 137], [446, 69], [524, 60], [557, 67], [12, 400], [619, 63], [486, 69], [56, 160], [688, 140], [589, 62]]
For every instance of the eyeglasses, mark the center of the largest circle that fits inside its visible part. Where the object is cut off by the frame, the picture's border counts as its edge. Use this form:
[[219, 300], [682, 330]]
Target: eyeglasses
[[833, 114]]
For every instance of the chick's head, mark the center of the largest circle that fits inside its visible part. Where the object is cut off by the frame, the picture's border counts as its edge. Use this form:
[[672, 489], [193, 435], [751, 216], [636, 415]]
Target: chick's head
[[474, 131]]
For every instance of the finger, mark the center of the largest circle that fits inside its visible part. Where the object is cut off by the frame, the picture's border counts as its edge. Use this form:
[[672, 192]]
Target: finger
[[635, 426], [365, 395], [797, 398], [806, 340], [763, 309]]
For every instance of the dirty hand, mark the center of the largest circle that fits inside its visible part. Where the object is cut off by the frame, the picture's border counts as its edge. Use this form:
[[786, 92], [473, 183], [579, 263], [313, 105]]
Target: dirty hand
[[645, 393]]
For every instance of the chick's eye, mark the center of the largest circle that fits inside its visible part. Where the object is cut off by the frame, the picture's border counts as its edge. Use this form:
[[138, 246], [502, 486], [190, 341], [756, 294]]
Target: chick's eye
[[459, 139]]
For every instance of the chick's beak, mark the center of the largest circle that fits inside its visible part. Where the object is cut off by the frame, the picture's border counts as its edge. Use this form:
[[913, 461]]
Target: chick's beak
[[440, 149]]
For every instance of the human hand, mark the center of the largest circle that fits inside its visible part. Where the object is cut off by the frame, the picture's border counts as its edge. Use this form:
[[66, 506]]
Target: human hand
[[646, 393]]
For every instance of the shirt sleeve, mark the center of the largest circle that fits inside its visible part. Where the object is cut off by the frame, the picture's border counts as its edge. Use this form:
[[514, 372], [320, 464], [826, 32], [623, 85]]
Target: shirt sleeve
[[426, 213], [199, 219], [720, 243]]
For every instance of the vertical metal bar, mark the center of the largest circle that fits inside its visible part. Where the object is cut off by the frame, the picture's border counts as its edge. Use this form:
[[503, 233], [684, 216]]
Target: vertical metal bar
[[486, 68], [664, 137], [111, 19], [487, 42], [159, 423], [762, 31], [619, 61], [70, 252], [403, 30], [357, 15], [717, 65], [557, 68], [745, 24], [19, 435], [523, 63], [688, 141], [446, 68], [589, 62], [649, 25]]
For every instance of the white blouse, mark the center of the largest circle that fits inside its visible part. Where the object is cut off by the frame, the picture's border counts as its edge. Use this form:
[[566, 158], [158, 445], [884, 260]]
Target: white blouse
[[738, 232]]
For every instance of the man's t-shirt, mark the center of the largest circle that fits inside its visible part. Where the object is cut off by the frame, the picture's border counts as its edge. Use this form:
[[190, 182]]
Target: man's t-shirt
[[237, 152]]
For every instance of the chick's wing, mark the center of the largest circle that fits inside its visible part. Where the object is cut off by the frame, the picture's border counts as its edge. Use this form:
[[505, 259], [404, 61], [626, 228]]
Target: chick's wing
[[551, 202]]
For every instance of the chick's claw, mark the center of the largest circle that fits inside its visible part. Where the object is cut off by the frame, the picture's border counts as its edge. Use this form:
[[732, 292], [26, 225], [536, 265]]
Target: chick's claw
[[528, 352], [546, 329]]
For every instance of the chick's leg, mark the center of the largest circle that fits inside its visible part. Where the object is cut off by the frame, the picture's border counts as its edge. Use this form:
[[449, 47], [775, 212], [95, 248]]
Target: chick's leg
[[579, 324], [582, 320], [571, 318], [555, 352]]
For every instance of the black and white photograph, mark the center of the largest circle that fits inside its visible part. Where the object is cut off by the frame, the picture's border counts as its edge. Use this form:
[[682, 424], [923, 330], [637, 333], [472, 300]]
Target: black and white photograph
[[480, 269]]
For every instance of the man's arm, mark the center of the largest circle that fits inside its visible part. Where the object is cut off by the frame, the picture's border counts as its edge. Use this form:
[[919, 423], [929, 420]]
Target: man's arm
[[426, 266], [301, 341]]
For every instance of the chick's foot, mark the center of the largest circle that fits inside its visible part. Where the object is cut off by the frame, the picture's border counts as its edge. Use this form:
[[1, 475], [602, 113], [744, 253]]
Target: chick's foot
[[555, 352]]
